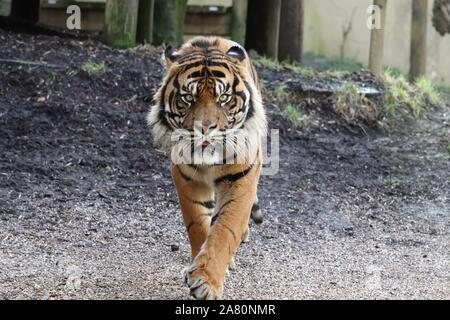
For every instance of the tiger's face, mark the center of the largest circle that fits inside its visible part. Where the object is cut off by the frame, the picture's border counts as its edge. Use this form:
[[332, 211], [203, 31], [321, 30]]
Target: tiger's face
[[207, 102]]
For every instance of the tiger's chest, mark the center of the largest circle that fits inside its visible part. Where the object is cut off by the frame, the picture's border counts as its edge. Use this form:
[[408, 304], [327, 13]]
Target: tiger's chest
[[208, 174]]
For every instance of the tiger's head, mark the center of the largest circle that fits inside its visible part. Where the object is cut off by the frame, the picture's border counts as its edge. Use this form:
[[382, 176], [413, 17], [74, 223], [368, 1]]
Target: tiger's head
[[208, 108]]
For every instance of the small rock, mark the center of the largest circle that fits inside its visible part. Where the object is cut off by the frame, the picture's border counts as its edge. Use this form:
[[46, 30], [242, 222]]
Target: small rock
[[174, 247]]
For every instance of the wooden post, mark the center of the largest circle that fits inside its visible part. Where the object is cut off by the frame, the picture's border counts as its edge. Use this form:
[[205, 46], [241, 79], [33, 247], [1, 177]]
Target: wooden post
[[418, 55], [25, 10], [145, 21], [291, 30], [169, 21], [239, 20], [377, 40], [121, 22], [263, 26]]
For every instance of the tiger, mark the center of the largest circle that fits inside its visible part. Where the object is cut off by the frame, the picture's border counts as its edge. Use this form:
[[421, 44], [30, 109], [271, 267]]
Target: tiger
[[208, 114]]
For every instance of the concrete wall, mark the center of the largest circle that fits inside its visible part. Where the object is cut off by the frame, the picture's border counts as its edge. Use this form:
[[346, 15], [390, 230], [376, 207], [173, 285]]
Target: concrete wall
[[326, 20], [5, 7]]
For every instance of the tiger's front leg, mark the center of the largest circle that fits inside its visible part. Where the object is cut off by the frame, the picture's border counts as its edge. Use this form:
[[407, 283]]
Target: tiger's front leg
[[236, 192], [197, 204]]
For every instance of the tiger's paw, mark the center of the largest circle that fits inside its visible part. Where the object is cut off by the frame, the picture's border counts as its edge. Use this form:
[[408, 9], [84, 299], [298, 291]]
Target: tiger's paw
[[202, 286], [232, 265]]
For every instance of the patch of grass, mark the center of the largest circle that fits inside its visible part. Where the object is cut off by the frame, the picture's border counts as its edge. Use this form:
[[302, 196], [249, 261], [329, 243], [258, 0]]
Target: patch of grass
[[429, 91], [268, 63], [354, 107], [443, 89], [52, 72], [296, 117], [262, 84], [392, 182], [271, 64], [336, 73], [298, 69], [281, 93], [400, 95], [393, 72], [398, 91], [291, 112], [93, 68]]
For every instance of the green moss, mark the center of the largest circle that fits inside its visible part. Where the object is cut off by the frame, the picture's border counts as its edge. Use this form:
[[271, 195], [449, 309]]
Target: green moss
[[392, 182], [297, 68], [443, 89], [429, 91], [354, 107], [125, 41], [281, 93], [120, 27], [398, 92], [262, 84], [93, 68], [52, 72], [400, 95], [295, 117], [271, 64]]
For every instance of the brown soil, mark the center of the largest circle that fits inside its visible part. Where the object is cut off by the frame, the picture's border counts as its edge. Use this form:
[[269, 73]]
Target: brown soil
[[87, 207]]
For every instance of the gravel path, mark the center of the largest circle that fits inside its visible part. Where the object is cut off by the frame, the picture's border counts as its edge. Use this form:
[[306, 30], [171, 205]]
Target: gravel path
[[87, 208]]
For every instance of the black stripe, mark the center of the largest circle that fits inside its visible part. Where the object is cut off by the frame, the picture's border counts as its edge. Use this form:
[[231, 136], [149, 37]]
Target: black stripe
[[197, 74], [231, 231], [162, 111], [220, 211], [206, 62], [216, 73], [213, 220], [183, 175], [234, 176], [176, 83], [224, 205], [210, 204], [173, 114], [251, 108]]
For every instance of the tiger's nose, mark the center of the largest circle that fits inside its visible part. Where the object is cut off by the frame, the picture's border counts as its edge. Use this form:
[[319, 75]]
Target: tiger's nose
[[208, 125]]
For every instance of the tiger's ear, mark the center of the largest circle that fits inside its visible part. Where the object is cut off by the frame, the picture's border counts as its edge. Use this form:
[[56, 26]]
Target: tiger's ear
[[170, 56], [237, 52]]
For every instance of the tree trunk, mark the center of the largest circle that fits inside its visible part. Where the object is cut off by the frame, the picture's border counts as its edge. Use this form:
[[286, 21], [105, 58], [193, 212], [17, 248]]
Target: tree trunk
[[263, 26], [25, 10], [169, 21], [239, 20], [418, 55], [121, 22], [377, 41], [145, 21], [291, 30]]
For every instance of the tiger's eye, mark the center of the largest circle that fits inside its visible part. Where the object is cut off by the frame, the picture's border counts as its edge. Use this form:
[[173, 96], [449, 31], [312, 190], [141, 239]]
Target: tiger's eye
[[187, 98], [224, 98]]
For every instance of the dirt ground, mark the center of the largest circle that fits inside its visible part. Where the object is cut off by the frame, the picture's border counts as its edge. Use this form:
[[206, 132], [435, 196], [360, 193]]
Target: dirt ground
[[88, 211]]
